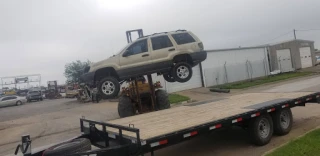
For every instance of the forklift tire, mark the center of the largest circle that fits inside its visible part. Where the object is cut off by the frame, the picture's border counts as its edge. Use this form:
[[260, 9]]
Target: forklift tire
[[182, 72], [261, 130], [67, 148], [162, 100], [282, 121], [125, 106], [108, 87]]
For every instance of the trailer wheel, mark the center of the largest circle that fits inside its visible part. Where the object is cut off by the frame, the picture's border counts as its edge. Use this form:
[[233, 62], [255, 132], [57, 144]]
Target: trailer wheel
[[67, 148], [282, 120], [261, 130], [125, 106], [162, 100]]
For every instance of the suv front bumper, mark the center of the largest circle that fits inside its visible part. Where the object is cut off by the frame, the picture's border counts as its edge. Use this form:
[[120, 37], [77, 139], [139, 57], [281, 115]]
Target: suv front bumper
[[198, 57], [88, 78]]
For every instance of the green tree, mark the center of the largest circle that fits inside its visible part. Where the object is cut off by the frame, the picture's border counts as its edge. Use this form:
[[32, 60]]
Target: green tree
[[74, 70]]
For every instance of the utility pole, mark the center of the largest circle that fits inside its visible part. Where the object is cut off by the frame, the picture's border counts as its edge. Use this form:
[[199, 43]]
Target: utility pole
[[294, 33]]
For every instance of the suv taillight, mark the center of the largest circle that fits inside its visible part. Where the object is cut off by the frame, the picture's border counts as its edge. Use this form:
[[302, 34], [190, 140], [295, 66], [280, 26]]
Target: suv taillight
[[200, 45]]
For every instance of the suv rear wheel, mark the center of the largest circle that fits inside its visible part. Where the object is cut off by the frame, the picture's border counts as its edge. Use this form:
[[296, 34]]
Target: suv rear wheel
[[182, 72], [109, 87], [168, 78]]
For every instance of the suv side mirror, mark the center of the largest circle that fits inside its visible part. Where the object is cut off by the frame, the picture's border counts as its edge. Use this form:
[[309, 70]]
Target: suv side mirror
[[126, 53]]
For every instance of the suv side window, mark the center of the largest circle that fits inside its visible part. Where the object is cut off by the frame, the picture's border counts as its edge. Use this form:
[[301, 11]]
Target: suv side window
[[161, 42], [138, 47], [183, 38]]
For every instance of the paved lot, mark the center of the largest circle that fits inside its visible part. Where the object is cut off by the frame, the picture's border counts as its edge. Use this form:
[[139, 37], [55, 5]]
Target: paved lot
[[51, 121]]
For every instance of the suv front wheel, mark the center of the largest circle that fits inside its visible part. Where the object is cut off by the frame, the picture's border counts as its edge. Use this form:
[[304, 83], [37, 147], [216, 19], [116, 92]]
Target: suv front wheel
[[109, 87], [182, 72]]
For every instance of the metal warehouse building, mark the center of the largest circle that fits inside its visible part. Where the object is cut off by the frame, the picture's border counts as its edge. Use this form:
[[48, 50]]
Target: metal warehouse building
[[231, 65], [291, 55], [238, 64], [224, 66]]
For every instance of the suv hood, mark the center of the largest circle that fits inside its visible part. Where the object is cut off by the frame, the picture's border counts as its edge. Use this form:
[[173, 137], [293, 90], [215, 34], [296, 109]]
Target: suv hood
[[104, 63]]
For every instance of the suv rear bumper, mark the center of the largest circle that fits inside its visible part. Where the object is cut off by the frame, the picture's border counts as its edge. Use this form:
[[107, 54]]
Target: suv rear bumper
[[198, 57], [34, 97]]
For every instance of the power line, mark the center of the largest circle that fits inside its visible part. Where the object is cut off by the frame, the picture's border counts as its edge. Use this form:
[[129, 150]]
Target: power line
[[308, 30], [281, 35]]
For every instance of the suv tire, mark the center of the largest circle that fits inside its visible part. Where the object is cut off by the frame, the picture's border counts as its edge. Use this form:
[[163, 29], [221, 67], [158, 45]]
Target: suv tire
[[108, 87], [182, 72], [168, 78], [67, 148]]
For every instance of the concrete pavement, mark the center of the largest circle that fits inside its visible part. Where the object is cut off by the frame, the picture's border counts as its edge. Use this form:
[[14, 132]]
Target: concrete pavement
[[52, 123]]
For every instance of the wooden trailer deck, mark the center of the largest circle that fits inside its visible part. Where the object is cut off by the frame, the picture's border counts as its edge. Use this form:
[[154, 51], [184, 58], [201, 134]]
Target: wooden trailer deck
[[163, 122]]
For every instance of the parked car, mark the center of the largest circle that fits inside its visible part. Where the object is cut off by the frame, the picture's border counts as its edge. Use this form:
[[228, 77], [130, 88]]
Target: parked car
[[34, 95], [317, 60], [12, 100], [172, 54]]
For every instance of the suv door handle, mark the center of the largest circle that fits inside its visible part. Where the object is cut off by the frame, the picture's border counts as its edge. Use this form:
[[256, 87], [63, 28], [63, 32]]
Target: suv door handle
[[172, 49], [144, 55]]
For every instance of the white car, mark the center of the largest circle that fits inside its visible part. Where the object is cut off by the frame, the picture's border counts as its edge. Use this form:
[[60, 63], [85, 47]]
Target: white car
[[12, 100]]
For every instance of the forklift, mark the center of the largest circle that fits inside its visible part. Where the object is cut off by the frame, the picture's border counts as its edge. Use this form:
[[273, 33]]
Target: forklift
[[141, 96]]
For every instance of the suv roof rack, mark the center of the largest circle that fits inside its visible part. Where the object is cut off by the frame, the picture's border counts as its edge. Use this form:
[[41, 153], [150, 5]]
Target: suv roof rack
[[161, 33]]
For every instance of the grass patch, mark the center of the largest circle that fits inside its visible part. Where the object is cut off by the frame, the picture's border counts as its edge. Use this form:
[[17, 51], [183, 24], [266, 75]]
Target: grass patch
[[306, 145], [175, 98], [264, 80]]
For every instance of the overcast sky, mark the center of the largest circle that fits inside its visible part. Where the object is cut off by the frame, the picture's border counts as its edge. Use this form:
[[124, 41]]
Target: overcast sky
[[41, 36]]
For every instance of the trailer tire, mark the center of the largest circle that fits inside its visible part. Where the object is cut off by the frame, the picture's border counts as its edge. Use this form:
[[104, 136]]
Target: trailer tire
[[162, 100], [282, 121], [261, 130], [125, 106], [67, 148], [108, 87]]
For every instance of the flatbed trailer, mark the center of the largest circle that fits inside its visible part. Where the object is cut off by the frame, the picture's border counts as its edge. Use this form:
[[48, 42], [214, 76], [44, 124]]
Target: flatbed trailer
[[146, 133]]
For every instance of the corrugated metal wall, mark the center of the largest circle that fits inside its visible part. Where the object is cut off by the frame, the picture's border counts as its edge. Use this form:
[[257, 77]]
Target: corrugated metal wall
[[233, 65]]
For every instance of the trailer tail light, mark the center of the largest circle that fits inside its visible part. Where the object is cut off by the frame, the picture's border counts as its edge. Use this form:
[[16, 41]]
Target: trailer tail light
[[158, 143], [236, 120], [190, 134], [215, 127], [271, 110], [200, 45], [255, 114], [284, 106]]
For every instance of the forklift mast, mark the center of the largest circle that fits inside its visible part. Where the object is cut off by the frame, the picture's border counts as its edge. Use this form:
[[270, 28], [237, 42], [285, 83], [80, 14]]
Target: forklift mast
[[128, 33]]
